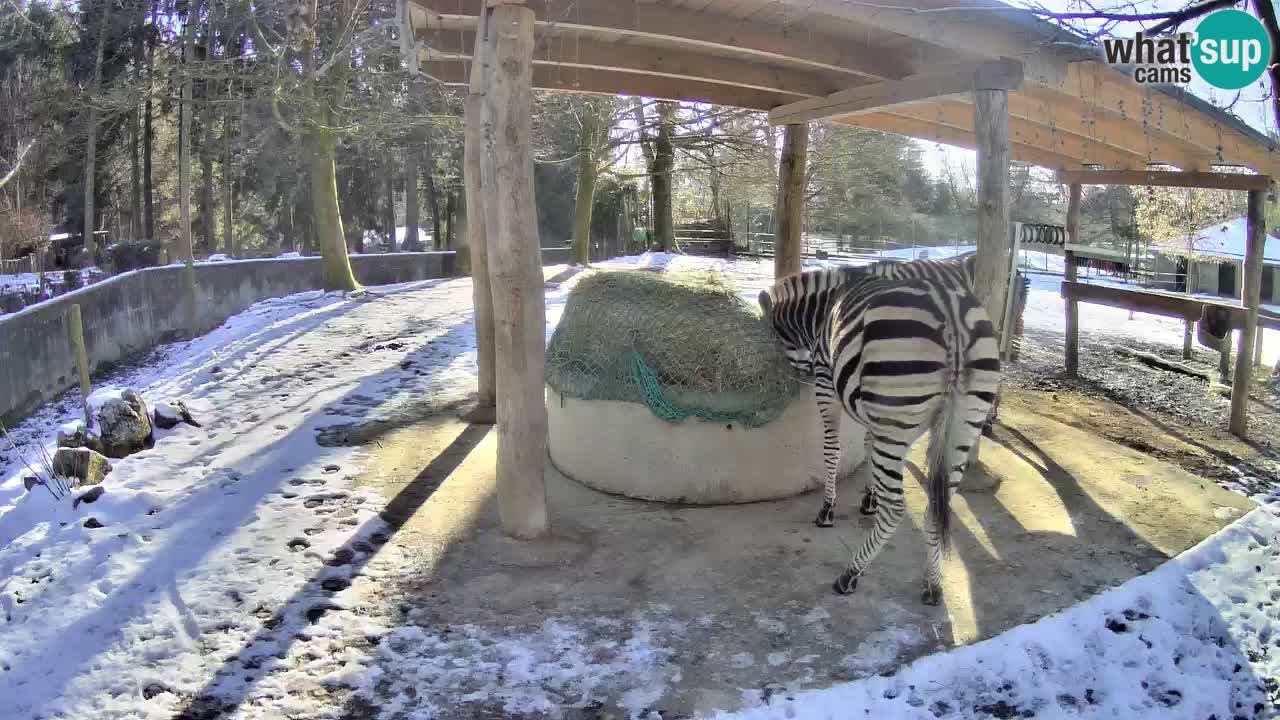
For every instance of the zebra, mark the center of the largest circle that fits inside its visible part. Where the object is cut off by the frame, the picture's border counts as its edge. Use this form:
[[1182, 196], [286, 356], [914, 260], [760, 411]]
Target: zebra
[[899, 356], [955, 271]]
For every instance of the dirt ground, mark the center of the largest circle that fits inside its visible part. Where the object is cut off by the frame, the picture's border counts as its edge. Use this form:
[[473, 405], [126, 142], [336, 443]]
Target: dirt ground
[[1199, 448], [1077, 495]]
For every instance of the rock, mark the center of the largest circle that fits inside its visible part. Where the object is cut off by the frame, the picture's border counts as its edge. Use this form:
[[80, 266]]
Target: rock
[[82, 463], [88, 496], [76, 435], [122, 421], [165, 416], [168, 416], [30, 481], [92, 523]]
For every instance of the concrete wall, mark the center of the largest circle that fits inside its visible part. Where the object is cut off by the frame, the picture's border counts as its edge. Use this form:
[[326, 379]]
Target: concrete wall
[[136, 311]]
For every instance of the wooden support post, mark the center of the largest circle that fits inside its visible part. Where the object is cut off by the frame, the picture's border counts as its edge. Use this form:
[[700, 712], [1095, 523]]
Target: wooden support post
[[1257, 347], [75, 336], [1257, 233], [515, 267], [991, 130], [1224, 360], [1069, 274], [475, 256], [788, 249]]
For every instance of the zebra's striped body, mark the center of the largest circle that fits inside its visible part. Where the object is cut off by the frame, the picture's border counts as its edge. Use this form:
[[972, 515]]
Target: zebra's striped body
[[957, 271], [900, 355]]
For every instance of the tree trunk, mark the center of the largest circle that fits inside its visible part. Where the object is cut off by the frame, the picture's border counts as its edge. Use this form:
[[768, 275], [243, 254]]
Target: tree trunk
[[184, 250], [518, 297], [206, 165], [586, 185], [135, 127], [451, 219], [991, 123], [663, 164], [148, 140], [411, 243], [433, 199], [788, 247], [135, 174], [91, 142], [228, 208], [389, 209], [326, 215]]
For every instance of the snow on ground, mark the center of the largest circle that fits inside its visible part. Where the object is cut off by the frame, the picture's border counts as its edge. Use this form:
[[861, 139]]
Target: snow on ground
[[1194, 639], [226, 555], [206, 535]]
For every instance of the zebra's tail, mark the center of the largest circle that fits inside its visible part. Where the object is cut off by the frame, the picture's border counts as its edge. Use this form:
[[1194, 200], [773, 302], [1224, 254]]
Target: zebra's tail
[[946, 430]]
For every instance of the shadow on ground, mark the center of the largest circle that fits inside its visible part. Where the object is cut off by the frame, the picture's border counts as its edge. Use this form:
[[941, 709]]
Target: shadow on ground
[[642, 609]]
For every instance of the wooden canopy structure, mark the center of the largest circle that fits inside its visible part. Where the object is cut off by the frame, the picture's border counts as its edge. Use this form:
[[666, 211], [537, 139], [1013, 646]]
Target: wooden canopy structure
[[971, 73], [906, 67]]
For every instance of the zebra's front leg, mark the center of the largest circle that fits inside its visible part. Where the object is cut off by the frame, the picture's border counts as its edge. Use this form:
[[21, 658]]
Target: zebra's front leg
[[830, 413], [889, 510]]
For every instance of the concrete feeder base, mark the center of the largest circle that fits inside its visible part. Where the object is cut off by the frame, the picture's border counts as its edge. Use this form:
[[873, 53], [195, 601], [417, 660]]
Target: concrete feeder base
[[624, 449]]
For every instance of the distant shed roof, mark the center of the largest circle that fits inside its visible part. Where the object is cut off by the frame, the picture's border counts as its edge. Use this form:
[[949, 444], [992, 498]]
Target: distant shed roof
[[1227, 240], [1068, 109]]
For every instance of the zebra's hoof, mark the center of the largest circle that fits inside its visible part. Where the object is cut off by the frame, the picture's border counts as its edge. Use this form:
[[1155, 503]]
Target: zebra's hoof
[[826, 516], [932, 595], [988, 430], [845, 584], [868, 506]]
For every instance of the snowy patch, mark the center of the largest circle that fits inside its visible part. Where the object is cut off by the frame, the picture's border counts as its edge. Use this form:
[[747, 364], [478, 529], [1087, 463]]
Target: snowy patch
[[1196, 638]]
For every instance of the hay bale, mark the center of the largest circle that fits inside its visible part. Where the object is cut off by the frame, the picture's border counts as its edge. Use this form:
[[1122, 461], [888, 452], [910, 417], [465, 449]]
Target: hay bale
[[684, 344]]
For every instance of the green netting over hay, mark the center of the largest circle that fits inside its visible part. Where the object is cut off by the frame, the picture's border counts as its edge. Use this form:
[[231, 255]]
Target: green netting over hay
[[684, 344]]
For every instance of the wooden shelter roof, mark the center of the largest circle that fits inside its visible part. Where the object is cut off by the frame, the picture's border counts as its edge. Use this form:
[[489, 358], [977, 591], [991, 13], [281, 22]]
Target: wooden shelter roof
[[900, 66]]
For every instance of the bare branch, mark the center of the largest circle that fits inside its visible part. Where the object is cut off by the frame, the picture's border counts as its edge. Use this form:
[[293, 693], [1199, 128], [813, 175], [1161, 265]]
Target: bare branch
[[17, 164]]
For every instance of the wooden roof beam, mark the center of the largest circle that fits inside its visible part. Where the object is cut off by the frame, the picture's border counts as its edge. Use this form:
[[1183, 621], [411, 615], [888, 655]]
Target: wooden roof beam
[[959, 116], [934, 132], [1062, 116], [790, 46], [606, 82], [972, 28], [992, 75], [1099, 90], [1162, 178], [564, 50]]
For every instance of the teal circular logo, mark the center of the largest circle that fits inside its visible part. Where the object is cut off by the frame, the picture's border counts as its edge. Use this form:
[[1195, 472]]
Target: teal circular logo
[[1232, 49]]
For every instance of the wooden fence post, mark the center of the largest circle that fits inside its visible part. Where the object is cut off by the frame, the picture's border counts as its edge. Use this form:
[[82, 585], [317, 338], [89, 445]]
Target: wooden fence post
[[1257, 234], [477, 252], [991, 132], [515, 267], [75, 336], [788, 249], [1069, 274]]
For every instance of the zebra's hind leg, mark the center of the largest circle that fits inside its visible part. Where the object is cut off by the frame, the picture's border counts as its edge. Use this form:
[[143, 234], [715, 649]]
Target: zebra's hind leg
[[830, 413], [887, 469], [868, 506]]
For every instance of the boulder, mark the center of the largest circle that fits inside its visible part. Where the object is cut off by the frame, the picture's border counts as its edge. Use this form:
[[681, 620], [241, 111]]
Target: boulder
[[76, 435], [87, 466], [121, 420], [168, 416]]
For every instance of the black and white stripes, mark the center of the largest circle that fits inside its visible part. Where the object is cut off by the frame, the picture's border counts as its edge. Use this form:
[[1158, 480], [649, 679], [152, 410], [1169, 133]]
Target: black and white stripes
[[900, 349]]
